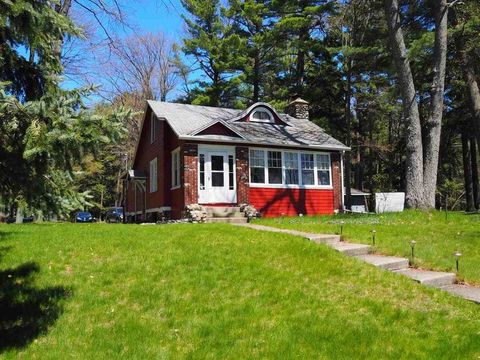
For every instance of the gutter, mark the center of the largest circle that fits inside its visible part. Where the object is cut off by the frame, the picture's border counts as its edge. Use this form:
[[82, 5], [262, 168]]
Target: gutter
[[246, 142]]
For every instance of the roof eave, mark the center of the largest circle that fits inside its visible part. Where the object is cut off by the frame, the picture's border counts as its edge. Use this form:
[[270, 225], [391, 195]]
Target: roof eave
[[248, 142]]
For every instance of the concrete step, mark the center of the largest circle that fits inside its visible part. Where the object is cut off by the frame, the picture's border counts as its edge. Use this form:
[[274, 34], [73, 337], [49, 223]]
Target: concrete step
[[467, 292], [351, 249], [385, 262], [429, 278], [230, 220], [223, 212]]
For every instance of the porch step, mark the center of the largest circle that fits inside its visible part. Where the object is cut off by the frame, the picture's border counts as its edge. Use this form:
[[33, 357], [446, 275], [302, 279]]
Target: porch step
[[230, 220], [385, 262], [351, 249], [223, 212], [429, 278]]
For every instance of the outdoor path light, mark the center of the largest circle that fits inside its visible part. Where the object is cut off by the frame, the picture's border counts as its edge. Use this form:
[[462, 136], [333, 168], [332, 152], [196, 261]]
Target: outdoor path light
[[457, 258], [341, 227], [412, 245], [373, 237]]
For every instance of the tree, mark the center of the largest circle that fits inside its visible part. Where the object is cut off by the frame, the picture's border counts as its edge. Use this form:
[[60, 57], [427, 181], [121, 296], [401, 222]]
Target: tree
[[214, 47], [253, 22], [143, 64], [422, 157], [44, 130]]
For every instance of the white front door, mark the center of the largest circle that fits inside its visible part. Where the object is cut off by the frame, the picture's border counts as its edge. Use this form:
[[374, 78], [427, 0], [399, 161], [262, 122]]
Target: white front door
[[216, 176]]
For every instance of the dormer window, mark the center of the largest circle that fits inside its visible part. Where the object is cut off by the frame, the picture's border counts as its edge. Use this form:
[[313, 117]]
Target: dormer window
[[261, 115]]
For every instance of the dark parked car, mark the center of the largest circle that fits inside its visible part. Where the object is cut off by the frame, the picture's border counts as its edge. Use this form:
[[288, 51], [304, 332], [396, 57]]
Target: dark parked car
[[26, 219], [114, 215], [84, 217]]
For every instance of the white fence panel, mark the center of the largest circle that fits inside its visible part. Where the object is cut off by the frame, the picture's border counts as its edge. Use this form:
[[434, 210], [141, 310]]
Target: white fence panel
[[389, 202]]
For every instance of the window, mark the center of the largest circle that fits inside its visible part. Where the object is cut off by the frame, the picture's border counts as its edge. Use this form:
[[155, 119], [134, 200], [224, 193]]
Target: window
[[176, 168], [262, 114], [231, 182], [153, 128], [291, 168], [202, 171], [153, 175], [274, 167], [217, 171], [308, 169], [323, 169], [257, 166]]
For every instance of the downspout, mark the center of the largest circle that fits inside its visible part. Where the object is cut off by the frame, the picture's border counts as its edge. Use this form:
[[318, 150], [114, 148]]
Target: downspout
[[124, 200], [342, 201], [135, 186], [145, 203]]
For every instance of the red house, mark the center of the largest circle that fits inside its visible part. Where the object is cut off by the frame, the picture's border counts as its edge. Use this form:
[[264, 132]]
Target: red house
[[282, 164]]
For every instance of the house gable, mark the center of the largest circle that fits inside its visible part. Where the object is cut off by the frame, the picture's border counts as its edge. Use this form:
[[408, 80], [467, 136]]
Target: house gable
[[219, 129]]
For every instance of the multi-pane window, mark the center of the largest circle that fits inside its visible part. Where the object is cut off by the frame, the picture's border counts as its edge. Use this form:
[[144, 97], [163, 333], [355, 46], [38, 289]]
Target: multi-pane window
[[257, 166], [323, 169], [291, 168], [153, 175], [308, 169], [176, 168], [274, 167]]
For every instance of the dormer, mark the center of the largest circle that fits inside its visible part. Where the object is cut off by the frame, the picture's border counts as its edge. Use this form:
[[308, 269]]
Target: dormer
[[260, 113]]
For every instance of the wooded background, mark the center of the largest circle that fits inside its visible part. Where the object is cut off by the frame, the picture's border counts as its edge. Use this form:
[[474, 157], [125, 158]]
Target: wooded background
[[395, 80]]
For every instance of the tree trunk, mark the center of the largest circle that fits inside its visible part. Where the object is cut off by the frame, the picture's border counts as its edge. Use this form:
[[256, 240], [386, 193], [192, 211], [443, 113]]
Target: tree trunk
[[348, 142], [19, 216], [256, 77], [414, 157], [433, 124], [300, 70], [467, 173], [473, 155]]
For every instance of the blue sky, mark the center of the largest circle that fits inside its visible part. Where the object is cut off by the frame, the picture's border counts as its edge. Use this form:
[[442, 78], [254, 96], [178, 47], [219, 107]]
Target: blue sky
[[144, 16], [159, 15]]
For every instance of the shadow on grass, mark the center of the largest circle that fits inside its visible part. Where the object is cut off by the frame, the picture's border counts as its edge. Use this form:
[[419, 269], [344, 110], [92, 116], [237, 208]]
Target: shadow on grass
[[26, 311]]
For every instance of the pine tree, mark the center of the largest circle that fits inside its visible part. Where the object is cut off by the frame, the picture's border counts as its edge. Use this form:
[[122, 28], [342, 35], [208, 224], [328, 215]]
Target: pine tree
[[215, 50]]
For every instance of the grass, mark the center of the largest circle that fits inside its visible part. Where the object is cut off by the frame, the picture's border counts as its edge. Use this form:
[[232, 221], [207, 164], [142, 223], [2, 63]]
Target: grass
[[212, 291], [437, 237]]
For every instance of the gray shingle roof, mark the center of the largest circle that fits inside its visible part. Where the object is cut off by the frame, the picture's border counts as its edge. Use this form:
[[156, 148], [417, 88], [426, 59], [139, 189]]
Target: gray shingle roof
[[187, 120]]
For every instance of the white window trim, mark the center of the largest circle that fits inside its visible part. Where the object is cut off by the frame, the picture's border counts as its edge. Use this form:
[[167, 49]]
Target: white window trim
[[290, 186], [261, 108], [153, 175], [153, 128], [174, 153]]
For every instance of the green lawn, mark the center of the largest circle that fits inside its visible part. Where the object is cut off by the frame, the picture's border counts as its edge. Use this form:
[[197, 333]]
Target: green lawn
[[213, 291], [438, 237]]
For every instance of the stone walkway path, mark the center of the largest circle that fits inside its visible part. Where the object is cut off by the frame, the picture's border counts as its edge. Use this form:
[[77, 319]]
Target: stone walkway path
[[441, 280]]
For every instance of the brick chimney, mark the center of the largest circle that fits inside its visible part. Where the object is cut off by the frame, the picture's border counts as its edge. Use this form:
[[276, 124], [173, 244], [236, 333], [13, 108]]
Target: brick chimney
[[298, 108]]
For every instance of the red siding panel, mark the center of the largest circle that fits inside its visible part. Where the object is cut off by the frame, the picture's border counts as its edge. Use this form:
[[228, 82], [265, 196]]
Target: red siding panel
[[272, 202]]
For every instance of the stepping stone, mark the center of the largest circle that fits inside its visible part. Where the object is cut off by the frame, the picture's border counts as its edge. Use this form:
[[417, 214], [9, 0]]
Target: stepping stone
[[321, 239], [318, 238], [351, 249], [385, 262], [464, 291], [429, 278]]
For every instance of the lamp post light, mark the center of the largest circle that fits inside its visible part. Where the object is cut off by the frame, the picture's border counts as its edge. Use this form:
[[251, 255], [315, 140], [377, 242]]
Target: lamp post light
[[373, 237], [457, 258], [412, 245]]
